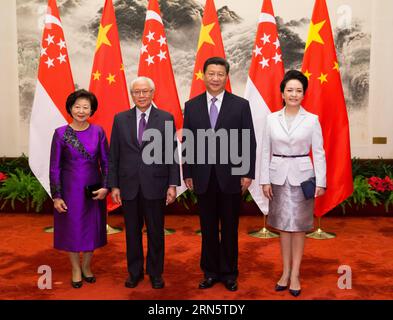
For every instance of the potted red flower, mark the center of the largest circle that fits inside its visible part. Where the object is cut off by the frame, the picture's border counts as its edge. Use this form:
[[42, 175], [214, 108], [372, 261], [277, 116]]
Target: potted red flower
[[384, 188], [3, 177]]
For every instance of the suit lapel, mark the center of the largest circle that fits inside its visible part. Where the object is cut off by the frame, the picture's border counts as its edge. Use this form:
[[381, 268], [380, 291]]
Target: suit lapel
[[132, 127], [281, 119], [298, 120], [224, 105], [152, 122], [205, 118]]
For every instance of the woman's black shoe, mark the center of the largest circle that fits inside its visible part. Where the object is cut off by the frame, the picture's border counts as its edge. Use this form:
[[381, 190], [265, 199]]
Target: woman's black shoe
[[91, 279], [295, 293], [280, 288], [76, 284]]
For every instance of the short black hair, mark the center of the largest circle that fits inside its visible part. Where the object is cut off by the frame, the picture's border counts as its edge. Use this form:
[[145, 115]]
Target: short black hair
[[294, 75], [84, 94], [216, 60]]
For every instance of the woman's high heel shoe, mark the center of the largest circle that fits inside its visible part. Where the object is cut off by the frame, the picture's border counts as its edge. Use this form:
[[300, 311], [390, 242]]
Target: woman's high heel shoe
[[91, 279], [295, 293], [76, 284], [280, 288]]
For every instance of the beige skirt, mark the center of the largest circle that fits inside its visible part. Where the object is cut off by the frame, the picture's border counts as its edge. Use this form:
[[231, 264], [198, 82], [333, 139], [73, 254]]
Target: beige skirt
[[289, 210]]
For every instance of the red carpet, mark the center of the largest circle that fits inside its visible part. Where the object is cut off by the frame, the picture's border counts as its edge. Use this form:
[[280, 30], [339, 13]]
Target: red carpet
[[364, 244]]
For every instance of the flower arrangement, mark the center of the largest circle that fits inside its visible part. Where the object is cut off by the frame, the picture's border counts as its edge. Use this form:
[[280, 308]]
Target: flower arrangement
[[372, 182], [3, 177], [384, 188], [381, 185]]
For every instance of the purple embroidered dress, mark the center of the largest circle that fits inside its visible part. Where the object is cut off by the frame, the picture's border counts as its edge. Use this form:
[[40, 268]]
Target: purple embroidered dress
[[79, 159]]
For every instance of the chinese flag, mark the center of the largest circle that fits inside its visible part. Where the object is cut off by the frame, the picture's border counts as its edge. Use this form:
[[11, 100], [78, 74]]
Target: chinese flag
[[263, 86], [155, 63], [209, 45], [325, 98], [54, 84], [107, 80]]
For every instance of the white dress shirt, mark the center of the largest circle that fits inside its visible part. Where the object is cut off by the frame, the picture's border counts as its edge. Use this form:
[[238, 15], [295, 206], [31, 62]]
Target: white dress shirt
[[218, 103], [138, 116]]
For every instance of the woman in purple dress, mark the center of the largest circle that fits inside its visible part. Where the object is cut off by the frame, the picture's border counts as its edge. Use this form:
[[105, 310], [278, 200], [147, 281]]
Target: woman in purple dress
[[79, 158]]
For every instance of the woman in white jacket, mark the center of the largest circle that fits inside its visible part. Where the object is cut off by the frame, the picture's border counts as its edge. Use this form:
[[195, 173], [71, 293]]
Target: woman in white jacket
[[289, 136]]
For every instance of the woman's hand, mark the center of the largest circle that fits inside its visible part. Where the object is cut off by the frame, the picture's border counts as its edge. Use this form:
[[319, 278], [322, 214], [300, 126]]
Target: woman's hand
[[60, 205], [100, 194], [319, 191], [267, 191]]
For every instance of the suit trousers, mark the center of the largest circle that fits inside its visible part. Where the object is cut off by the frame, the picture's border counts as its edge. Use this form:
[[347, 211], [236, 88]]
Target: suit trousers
[[219, 256], [136, 212]]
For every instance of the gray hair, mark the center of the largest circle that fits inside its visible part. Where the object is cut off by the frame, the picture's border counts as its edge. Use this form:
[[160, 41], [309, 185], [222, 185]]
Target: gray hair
[[146, 79]]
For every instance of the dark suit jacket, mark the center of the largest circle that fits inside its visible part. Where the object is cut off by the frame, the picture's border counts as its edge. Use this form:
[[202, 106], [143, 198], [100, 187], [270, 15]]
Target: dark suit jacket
[[235, 113], [127, 171]]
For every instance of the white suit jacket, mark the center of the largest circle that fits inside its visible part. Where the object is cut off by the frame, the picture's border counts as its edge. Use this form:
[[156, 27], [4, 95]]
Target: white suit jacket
[[305, 134]]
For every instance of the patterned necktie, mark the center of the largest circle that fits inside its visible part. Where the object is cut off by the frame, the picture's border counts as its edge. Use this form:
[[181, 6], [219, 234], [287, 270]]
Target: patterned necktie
[[213, 113], [142, 126]]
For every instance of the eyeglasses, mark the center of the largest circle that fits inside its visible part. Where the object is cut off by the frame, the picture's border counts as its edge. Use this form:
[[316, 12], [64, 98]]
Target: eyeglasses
[[143, 93]]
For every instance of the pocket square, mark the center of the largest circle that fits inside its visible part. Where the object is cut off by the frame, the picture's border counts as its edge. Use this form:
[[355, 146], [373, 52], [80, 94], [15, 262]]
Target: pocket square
[[308, 188]]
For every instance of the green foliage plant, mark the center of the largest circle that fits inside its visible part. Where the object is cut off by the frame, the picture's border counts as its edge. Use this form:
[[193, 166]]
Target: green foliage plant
[[23, 187]]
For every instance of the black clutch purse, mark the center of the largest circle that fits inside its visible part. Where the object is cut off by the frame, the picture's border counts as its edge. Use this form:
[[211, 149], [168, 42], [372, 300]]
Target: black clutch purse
[[89, 190], [308, 188]]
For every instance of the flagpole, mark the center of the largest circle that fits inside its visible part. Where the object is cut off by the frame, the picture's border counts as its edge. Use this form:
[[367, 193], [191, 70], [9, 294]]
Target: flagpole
[[264, 233], [320, 234]]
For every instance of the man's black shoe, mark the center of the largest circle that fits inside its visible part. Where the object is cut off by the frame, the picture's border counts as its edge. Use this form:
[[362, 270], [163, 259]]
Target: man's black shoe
[[157, 282], [207, 283], [231, 285], [132, 281]]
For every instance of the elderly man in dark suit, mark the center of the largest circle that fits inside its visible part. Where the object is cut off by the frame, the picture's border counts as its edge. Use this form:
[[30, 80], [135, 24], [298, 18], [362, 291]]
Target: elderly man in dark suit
[[220, 182], [141, 187]]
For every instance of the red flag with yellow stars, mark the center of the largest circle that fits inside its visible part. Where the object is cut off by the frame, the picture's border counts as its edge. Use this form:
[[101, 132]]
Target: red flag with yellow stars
[[325, 97], [155, 63], [107, 80], [209, 45]]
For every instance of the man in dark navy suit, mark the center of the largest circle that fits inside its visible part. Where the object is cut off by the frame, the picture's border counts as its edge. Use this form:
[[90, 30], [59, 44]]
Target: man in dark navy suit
[[143, 188], [219, 183]]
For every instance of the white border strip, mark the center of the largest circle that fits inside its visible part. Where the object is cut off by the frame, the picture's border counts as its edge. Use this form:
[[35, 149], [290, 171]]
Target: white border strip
[[266, 17], [52, 19], [152, 15]]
